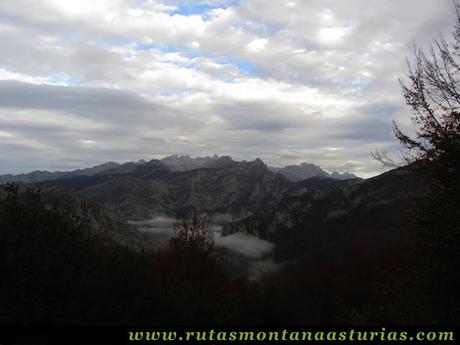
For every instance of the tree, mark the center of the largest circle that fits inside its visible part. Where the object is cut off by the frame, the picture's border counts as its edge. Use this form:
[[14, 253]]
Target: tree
[[432, 90], [428, 293], [193, 235]]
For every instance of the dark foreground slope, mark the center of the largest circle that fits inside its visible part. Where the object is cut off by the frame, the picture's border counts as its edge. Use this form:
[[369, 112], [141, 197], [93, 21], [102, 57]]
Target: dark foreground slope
[[84, 214], [346, 249], [328, 212], [335, 242], [56, 268]]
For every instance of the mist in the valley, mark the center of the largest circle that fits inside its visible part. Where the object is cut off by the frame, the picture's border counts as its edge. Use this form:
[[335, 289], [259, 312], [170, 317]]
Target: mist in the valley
[[247, 245], [257, 253]]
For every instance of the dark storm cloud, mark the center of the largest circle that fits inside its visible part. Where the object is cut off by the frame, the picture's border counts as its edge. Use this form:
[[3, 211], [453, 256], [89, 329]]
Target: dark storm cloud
[[98, 103]]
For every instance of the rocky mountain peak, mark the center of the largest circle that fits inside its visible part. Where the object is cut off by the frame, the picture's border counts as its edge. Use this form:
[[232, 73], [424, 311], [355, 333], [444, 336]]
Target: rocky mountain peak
[[258, 165], [303, 171], [259, 161], [342, 176], [222, 162], [184, 163], [296, 173]]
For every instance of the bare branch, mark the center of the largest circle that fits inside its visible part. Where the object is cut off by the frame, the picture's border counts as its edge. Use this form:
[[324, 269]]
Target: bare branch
[[431, 88], [382, 157]]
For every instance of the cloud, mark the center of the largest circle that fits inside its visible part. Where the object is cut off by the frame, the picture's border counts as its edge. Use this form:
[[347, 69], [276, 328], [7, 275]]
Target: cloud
[[246, 245], [88, 81]]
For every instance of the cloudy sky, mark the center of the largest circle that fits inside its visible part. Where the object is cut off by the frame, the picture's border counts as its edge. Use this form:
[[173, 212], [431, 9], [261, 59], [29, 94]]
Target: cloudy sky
[[83, 82]]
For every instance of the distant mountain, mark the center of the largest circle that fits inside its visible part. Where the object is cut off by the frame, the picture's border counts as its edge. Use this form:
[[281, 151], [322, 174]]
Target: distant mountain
[[342, 176], [140, 168], [42, 175], [176, 185], [184, 163], [146, 189], [300, 172], [295, 173], [169, 163]]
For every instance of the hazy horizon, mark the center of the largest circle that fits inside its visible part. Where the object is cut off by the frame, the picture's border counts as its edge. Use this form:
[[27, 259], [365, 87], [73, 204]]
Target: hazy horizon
[[64, 169]]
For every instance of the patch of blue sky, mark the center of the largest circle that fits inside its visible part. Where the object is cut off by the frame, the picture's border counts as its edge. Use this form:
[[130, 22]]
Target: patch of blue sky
[[172, 48], [139, 46], [190, 8], [64, 81], [244, 66], [74, 82], [166, 48]]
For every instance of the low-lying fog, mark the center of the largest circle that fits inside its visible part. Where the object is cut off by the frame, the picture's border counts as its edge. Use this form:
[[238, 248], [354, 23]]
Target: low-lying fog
[[254, 252]]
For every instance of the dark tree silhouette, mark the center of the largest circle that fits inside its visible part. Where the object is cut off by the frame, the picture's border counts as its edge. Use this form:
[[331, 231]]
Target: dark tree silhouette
[[193, 235], [427, 290], [432, 90]]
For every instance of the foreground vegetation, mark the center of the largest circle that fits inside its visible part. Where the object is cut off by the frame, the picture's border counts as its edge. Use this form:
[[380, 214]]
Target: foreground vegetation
[[54, 272]]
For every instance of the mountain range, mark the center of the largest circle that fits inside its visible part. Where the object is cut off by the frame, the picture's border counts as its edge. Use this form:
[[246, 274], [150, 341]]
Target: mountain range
[[309, 216], [295, 173], [176, 185], [313, 216], [174, 163]]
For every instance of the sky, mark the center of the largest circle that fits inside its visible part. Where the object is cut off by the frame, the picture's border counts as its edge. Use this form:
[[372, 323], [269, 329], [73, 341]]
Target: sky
[[89, 81]]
